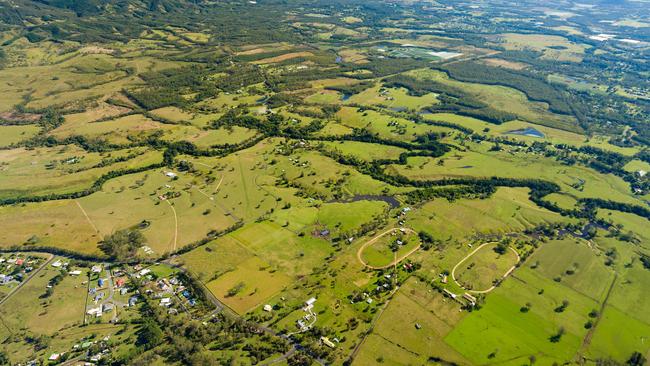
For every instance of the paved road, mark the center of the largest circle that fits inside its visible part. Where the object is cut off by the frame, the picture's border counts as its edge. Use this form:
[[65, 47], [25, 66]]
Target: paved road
[[31, 275]]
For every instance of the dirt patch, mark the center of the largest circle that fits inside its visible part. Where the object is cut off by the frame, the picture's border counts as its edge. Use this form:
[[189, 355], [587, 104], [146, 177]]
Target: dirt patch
[[286, 56], [497, 62], [19, 118]]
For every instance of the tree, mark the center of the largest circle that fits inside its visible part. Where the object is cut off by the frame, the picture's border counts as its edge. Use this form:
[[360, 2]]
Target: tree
[[637, 359], [122, 244], [150, 335], [4, 360]]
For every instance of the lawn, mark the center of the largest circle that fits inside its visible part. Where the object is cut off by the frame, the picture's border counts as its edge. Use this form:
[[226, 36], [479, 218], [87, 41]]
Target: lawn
[[379, 253]]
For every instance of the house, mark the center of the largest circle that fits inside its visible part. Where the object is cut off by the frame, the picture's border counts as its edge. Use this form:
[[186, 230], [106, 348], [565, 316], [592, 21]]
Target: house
[[310, 302], [166, 301], [145, 272], [120, 282], [74, 273], [95, 311], [20, 261], [57, 264], [54, 356], [268, 308], [133, 300], [326, 341], [170, 174], [100, 282], [107, 307], [96, 269]]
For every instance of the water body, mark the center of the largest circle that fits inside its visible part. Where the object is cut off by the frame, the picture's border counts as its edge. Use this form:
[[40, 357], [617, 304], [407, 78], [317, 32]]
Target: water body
[[339, 59], [529, 131], [398, 109], [345, 97], [392, 201]]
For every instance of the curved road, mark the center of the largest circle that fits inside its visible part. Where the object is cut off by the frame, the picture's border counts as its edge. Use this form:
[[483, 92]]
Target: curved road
[[371, 241], [453, 271]]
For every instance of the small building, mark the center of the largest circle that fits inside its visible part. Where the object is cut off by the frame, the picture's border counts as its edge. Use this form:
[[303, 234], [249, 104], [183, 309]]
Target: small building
[[107, 307], [96, 269], [57, 264], [20, 261], [166, 301], [145, 272], [326, 341], [268, 308], [449, 293], [444, 279], [100, 282], [95, 311], [133, 300], [311, 301], [54, 356], [418, 326], [170, 174], [120, 282], [74, 273]]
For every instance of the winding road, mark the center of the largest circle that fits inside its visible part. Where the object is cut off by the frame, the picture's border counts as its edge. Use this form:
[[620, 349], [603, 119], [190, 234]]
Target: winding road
[[453, 271], [373, 240]]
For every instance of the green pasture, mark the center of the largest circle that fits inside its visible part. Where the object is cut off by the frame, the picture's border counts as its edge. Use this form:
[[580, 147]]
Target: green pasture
[[483, 268], [10, 135]]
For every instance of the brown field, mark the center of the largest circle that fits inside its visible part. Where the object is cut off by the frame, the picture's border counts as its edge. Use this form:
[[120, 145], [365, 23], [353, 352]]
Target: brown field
[[286, 56], [512, 65]]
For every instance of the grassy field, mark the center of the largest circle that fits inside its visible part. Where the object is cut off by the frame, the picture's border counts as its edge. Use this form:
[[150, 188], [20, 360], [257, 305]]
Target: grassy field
[[478, 161], [501, 332], [553, 47], [115, 131], [395, 337], [483, 268], [380, 253], [10, 135], [504, 99], [508, 210], [254, 280], [62, 169]]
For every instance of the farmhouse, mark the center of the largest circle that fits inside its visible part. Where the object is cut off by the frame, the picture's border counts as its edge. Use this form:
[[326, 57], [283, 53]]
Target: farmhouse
[[326, 341]]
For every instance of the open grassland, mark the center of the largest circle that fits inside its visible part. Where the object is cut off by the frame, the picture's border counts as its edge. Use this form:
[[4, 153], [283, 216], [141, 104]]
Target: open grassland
[[478, 161], [61, 169], [60, 224], [384, 125], [365, 151], [248, 285], [396, 331], [114, 131], [504, 99], [502, 332], [10, 135], [385, 249], [207, 138], [509, 209], [393, 98], [553, 47]]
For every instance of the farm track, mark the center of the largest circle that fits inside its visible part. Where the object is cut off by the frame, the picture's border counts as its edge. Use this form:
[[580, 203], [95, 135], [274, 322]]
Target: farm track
[[373, 240], [87, 217], [508, 272], [175, 225], [590, 334]]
